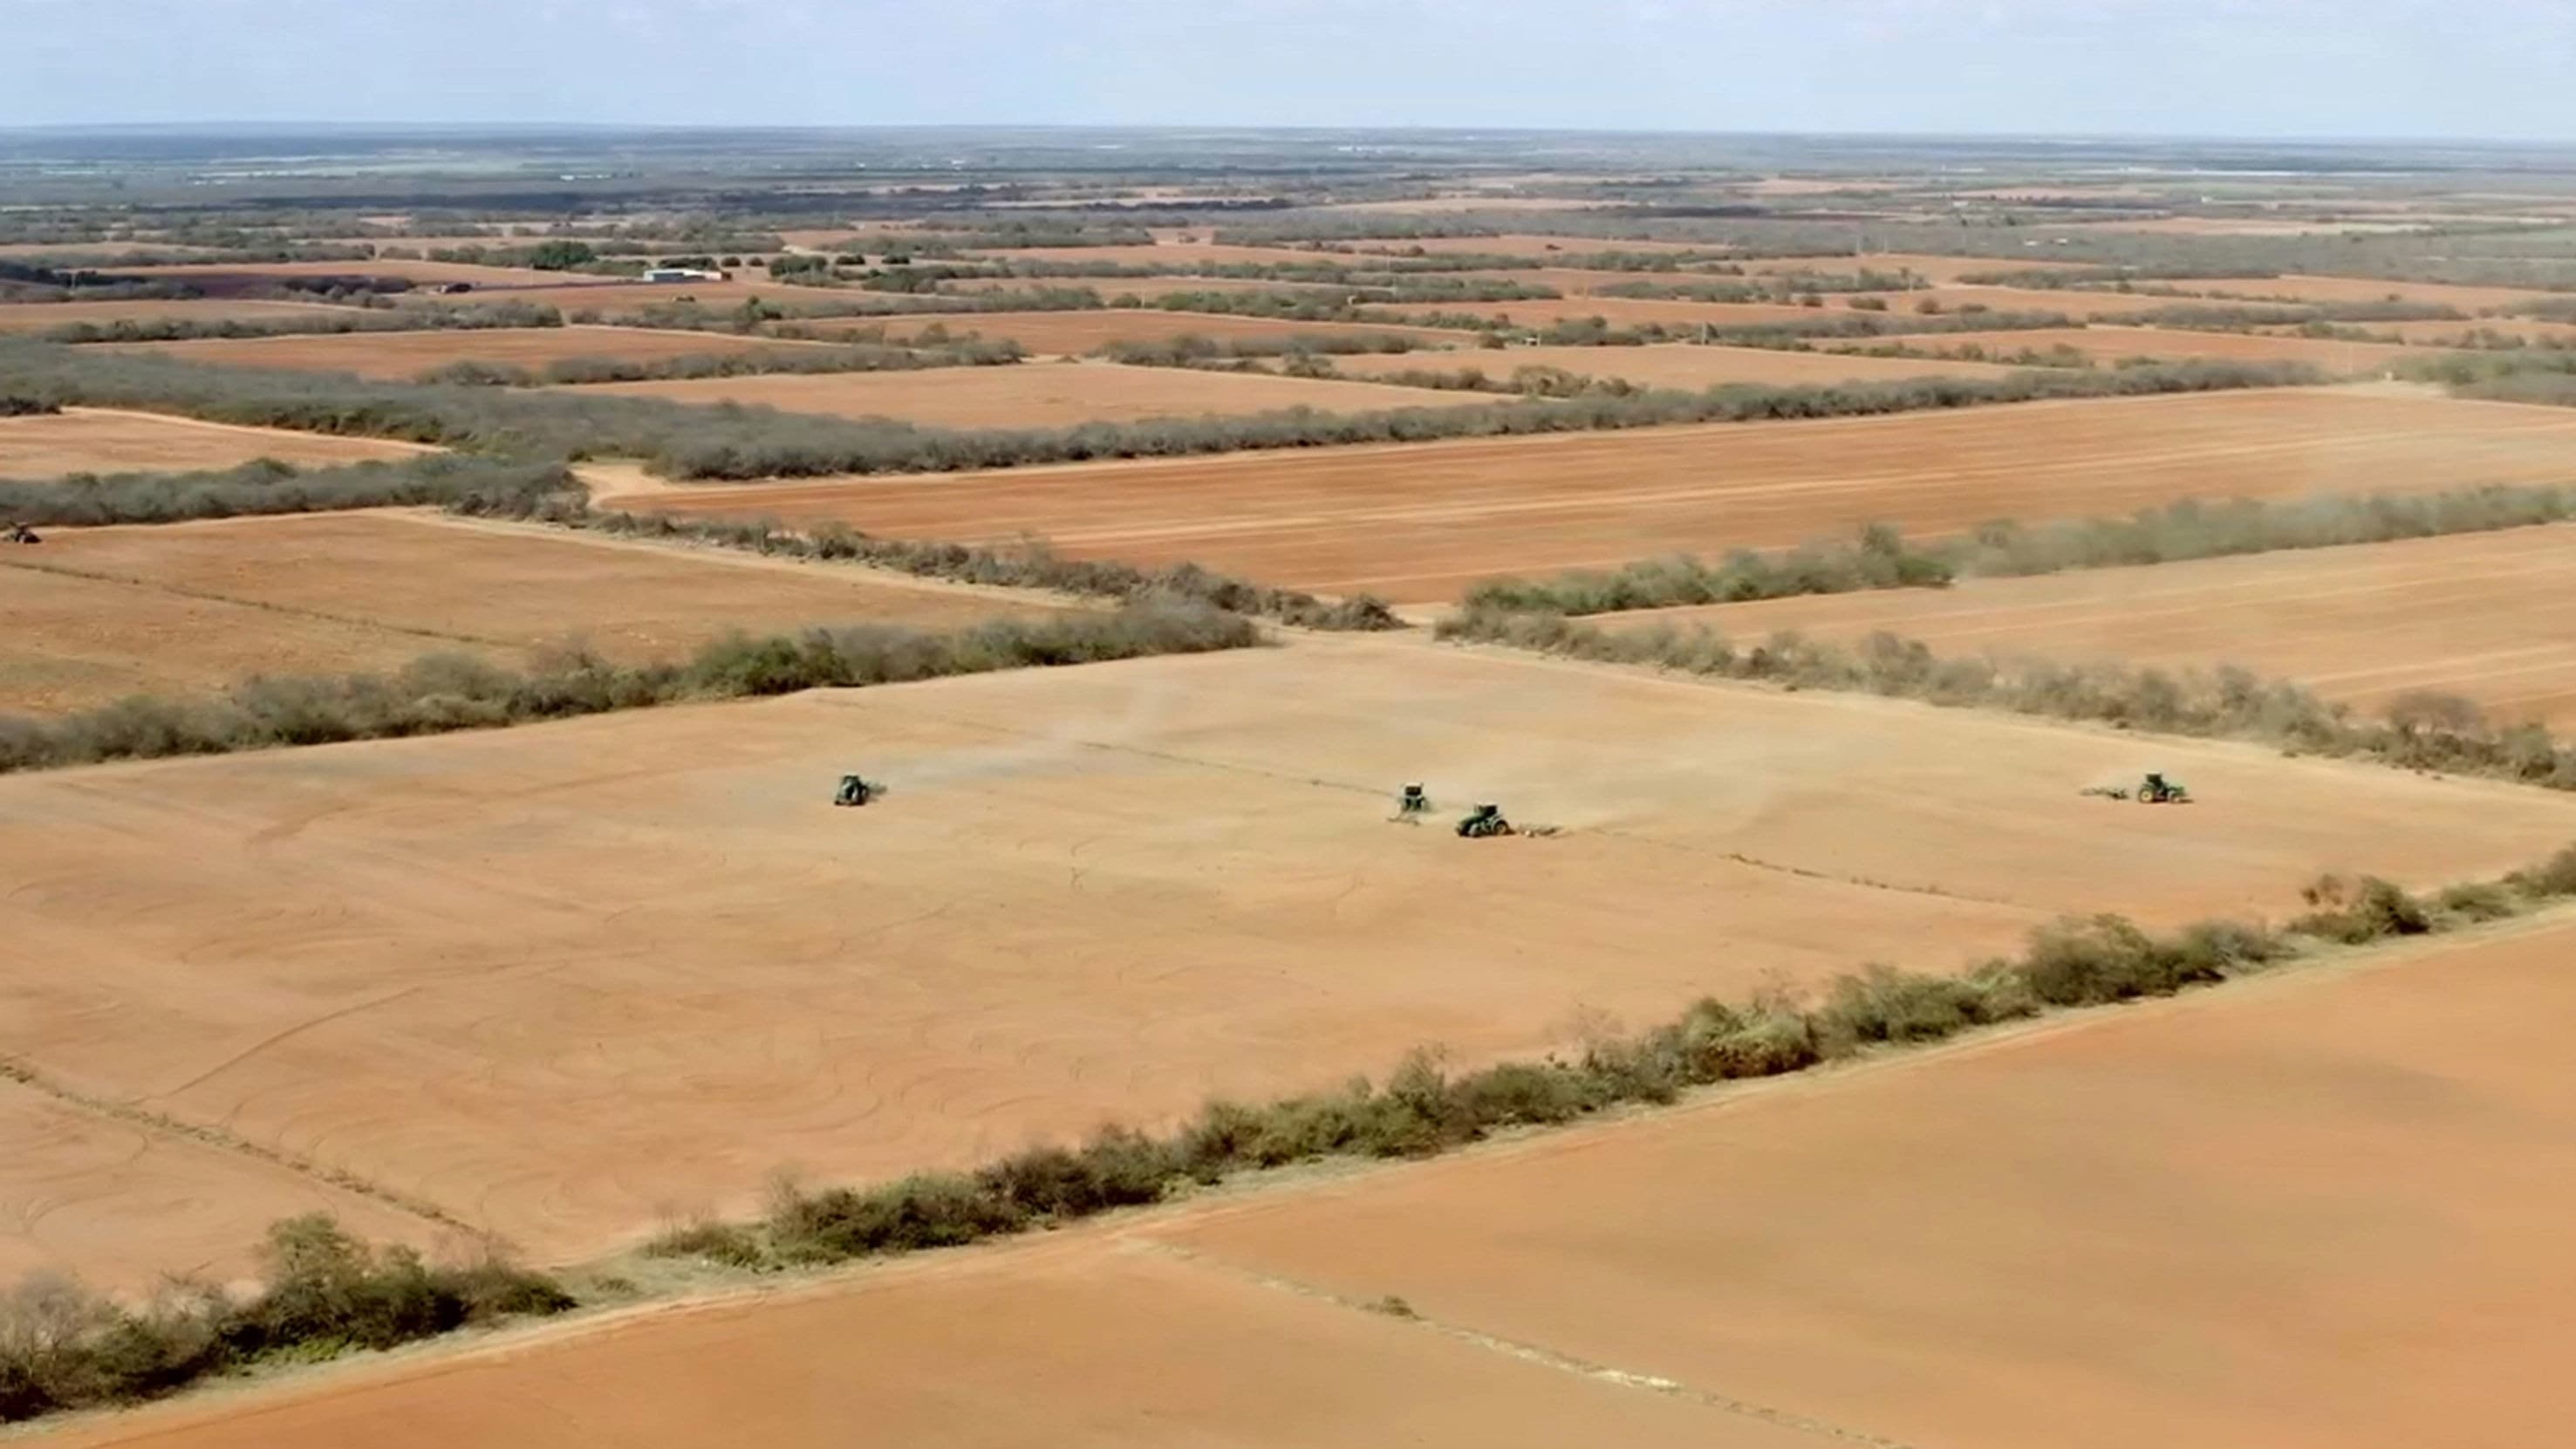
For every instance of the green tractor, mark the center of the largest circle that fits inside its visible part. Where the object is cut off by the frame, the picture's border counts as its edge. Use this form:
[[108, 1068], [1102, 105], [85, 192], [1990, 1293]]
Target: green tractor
[[1483, 822], [1411, 805], [2157, 790], [856, 791]]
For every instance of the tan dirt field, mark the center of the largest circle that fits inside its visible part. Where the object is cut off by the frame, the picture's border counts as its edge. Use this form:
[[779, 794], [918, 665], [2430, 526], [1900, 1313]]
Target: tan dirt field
[[1041, 394], [1536, 246], [1065, 1342], [402, 355], [106, 440], [2480, 615], [1672, 365], [1145, 288], [1421, 522], [562, 979], [29, 317], [2267, 1214], [614, 297], [2321, 1211], [1616, 311], [189, 608], [2471, 300], [2108, 343], [1055, 334], [120, 1204], [2065, 302], [2445, 334]]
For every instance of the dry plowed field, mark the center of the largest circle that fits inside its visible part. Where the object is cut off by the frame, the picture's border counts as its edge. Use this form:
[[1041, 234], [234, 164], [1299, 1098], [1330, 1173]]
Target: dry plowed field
[[1423, 522], [2116, 344], [1683, 366], [2491, 616], [2322, 1211], [409, 354], [188, 608], [2325, 1211], [615, 297], [104, 440], [1072, 333], [30, 317], [1537, 247], [1042, 394], [1616, 311], [2463, 334], [562, 978], [1146, 288]]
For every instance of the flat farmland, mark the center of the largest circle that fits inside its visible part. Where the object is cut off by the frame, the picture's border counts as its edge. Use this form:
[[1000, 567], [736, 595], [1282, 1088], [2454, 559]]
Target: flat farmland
[[409, 354], [2491, 616], [423, 272], [2471, 300], [1421, 522], [1941, 271], [2321, 1211], [1041, 394], [1519, 244], [123, 1204], [611, 297], [1671, 366], [1157, 254], [188, 608], [1145, 288], [32, 317], [1616, 311], [996, 1350], [562, 979], [106, 440], [1072, 333], [2103, 343], [2461, 334]]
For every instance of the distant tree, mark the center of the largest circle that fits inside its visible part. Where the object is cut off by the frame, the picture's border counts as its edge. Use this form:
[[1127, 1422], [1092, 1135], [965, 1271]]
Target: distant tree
[[560, 256]]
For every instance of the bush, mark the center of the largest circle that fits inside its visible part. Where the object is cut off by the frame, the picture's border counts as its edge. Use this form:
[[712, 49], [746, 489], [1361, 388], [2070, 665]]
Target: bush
[[2356, 912], [325, 1293], [471, 485]]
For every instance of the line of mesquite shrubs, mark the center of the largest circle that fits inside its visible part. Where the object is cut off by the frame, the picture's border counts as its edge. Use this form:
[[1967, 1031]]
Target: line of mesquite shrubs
[[784, 358], [1030, 565], [2420, 730], [325, 1293], [463, 482], [1424, 1108], [1879, 557], [742, 443], [440, 693], [318, 321]]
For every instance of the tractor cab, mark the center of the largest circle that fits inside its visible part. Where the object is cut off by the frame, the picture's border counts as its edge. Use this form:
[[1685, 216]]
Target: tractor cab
[[1411, 803], [1484, 821], [856, 791]]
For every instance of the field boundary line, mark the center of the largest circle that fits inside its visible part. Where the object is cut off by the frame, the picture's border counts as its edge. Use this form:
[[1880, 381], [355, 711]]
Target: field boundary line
[[295, 611], [1531, 1353], [223, 1139]]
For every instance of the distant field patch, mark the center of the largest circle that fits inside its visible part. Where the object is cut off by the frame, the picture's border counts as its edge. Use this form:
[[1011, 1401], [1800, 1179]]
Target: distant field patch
[[102, 440], [1671, 365], [400, 355]]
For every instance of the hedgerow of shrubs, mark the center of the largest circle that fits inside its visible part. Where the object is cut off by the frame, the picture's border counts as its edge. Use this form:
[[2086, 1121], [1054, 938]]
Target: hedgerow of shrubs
[[1424, 1107], [324, 1293], [2420, 730], [563, 371], [1878, 557], [446, 692], [469, 484], [320, 321]]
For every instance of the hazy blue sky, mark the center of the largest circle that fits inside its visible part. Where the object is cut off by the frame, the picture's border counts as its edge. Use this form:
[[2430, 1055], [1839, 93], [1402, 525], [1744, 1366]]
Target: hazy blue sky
[[2501, 68]]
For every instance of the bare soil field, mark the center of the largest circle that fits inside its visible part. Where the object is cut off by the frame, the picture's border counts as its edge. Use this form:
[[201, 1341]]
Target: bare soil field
[[2110, 343], [105, 440], [612, 297], [123, 1204], [1675, 365], [1041, 394], [2460, 334], [563, 979], [1616, 311], [1064, 334], [28, 317], [2471, 300], [1143, 288], [409, 354], [1536, 246], [1006, 1349], [2479, 615], [187, 608], [1421, 522], [2323, 1211]]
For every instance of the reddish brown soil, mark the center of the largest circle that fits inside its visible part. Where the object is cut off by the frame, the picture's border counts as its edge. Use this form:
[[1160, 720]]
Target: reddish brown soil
[[1616, 311], [2323, 1211], [1071, 333], [1041, 394], [409, 354], [25, 317], [96, 614], [1423, 522], [2491, 616], [563, 979], [103, 440]]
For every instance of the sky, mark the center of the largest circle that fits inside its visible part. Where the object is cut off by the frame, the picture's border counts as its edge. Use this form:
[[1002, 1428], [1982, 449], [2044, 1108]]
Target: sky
[[2498, 69]]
